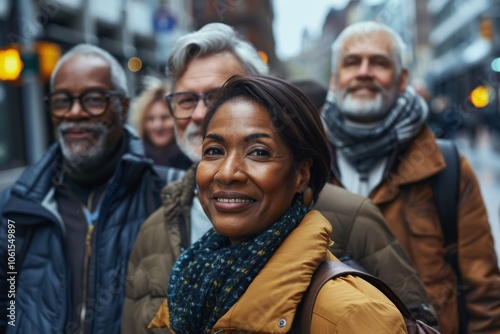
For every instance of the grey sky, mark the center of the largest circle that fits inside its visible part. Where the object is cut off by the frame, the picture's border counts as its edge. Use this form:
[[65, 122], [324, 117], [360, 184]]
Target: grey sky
[[292, 16]]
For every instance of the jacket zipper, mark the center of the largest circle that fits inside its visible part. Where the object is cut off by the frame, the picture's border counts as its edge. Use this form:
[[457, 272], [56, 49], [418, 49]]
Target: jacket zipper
[[88, 253], [86, 259]]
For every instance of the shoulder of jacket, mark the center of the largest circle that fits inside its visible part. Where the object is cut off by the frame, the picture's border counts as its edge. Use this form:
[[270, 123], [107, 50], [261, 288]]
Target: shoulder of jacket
[[345, 300], [338, 200], [155, 219]]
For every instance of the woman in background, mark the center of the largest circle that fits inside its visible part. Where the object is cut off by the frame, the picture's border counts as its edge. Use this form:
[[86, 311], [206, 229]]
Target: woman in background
[[155, 125], [264, 161]]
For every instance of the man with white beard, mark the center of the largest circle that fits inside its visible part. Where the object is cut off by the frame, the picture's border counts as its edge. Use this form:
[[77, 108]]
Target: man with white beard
[[76, 212], [382, 149]]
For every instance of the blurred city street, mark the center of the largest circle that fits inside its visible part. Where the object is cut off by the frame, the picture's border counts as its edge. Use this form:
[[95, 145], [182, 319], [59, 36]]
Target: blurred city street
[[486, 163]]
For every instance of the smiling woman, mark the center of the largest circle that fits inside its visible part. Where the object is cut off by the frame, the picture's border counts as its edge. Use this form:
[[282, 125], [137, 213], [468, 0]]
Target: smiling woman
[[264, 152], [155, 125]]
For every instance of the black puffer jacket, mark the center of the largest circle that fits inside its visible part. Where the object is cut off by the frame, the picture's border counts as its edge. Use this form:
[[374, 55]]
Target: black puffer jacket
[[42, 289]]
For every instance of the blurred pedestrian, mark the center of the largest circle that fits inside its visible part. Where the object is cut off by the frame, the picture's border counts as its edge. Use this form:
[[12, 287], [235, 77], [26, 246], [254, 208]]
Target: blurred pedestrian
[[383, 149], [77, 210], [313, 90], [256, 180], [155, 125]]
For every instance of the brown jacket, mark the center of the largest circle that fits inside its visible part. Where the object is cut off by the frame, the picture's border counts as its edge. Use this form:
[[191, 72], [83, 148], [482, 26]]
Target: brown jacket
[[343, 305], [406, 201], [360, 230], [162, 236]]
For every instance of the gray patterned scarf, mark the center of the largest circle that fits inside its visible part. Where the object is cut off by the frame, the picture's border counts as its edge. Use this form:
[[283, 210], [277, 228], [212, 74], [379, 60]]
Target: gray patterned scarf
[[364, 147]]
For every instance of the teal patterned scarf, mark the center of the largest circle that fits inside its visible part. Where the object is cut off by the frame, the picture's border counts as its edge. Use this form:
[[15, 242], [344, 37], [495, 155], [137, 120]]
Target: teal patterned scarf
[[211, 275]]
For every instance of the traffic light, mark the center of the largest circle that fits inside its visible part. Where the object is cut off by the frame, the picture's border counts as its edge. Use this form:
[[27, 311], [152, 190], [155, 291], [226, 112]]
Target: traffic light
[[11, 64], [41, 61], [48, 56]]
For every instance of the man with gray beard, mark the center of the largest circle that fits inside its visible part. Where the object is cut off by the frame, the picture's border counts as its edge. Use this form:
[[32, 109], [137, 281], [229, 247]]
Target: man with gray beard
[[382, 149], [78, 210]]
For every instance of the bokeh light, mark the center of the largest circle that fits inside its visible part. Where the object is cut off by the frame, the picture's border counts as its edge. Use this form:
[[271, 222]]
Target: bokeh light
[[263, 56], [495, 65], [11, 64], [480, 97], [134, 64]]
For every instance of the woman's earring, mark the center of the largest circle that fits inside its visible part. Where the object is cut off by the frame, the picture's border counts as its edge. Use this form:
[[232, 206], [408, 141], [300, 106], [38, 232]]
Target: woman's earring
[[307, 196]]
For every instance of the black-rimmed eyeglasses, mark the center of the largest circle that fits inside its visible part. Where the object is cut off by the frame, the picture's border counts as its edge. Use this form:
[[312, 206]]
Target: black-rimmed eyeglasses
[[94, 101], [182, 105]]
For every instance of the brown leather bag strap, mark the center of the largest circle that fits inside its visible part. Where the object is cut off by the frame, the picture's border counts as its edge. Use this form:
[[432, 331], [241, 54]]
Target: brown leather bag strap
[[341, 269], [302, 321], [326, 271]]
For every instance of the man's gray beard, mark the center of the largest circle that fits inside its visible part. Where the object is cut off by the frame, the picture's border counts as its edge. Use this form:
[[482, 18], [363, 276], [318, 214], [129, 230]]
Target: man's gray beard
[[189, 144], [357, 109], [88, 154]]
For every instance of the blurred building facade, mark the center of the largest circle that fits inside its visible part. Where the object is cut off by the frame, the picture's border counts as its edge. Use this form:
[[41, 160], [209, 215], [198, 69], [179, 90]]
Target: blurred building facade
[[465, 41], [253, 19], [139, 33]]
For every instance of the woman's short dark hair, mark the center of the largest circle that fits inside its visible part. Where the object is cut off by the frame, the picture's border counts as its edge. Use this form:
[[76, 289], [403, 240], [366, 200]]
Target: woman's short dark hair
[[293, 115]]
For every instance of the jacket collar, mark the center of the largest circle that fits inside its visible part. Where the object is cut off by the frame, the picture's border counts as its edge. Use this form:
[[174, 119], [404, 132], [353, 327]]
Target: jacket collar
[[182, 192], [419, 162], [177, 198]]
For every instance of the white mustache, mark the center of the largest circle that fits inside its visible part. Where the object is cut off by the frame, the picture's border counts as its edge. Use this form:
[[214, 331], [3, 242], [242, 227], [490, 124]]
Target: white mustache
[[83, 126], [373, 86], [193, 131]]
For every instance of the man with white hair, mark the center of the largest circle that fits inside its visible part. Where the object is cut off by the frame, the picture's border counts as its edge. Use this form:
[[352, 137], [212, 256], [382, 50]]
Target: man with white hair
[[73, 216], [383, 149]]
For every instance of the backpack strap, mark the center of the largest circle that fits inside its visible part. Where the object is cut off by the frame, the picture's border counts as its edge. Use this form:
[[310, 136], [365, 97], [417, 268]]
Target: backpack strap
[[445, 190], [328, 270]]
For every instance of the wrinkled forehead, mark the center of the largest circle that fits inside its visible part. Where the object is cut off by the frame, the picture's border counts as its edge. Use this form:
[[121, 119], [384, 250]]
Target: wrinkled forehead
[[83, 71], [208, 71], [369, 43]]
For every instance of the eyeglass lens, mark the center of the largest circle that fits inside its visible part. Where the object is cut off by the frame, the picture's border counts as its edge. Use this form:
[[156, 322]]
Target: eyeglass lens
[[93, 102], [183, 104]]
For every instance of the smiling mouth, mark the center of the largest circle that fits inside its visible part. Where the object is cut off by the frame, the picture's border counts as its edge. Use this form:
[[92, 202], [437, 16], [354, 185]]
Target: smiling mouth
[[364, 88], [234, 200]]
